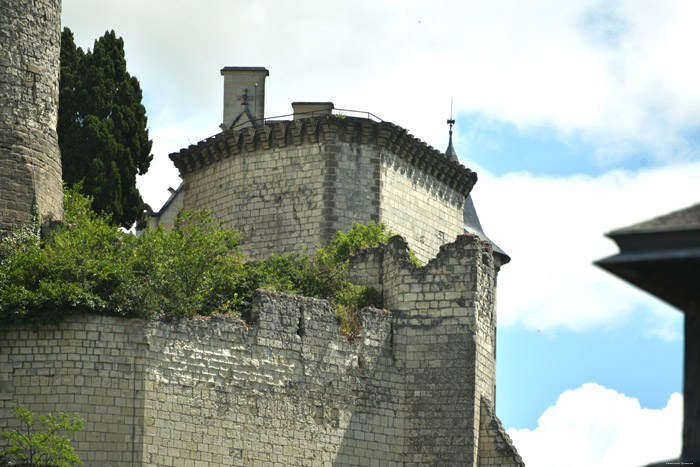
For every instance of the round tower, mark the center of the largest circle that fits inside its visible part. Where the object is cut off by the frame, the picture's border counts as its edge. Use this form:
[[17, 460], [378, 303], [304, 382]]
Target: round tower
[[30, 161]]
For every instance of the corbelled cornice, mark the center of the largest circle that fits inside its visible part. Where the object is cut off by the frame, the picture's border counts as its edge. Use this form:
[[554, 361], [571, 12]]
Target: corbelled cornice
[[327, 129]]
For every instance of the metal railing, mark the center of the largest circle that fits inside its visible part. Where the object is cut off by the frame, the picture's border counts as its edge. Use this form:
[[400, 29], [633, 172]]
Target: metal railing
[[337, 112]]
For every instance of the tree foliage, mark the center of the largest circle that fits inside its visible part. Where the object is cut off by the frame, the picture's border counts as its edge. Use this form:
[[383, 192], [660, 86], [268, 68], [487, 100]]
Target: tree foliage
[[102, 127], [30, 447], [91, 266]]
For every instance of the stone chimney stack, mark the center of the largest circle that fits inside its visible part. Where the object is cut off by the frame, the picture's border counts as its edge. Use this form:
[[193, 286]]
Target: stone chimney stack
[[244, 96], [311, 109]]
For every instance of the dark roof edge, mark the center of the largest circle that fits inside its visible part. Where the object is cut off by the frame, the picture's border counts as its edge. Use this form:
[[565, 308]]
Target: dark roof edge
[[646, 256], [681, 219], [648, 231], [313, 102], [246, 68], [472, 225], [321, 129], [173, 194]]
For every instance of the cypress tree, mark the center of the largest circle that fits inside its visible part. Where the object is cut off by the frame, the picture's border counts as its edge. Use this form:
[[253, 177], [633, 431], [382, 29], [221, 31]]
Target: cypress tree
[[102, 127]]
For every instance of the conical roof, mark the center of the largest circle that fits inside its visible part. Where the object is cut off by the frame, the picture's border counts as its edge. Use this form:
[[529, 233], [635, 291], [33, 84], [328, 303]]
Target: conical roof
[[450, 151], [472, 224]]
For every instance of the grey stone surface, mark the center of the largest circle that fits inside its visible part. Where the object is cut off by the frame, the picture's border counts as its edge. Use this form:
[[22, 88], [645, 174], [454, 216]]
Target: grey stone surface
[[292, 184], [288, 389], [30, 161]]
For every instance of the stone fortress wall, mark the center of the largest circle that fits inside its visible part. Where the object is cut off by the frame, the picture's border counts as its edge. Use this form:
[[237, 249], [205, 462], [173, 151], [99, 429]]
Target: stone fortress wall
[[416, 388], [30, 161], [287, 184]]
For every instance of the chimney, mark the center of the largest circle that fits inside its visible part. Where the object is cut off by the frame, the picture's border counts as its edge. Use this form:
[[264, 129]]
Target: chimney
[[244, 96], [311, 109]]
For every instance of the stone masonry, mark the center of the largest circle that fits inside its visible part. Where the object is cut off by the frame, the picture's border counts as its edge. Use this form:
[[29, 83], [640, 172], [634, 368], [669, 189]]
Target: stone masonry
[[30, 161], [414, 389], [292, 184], [244, 95]]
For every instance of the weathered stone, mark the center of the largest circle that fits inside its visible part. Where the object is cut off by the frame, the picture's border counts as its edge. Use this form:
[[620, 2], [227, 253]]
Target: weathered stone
[[292, 184], [29, 154], [412, 389]]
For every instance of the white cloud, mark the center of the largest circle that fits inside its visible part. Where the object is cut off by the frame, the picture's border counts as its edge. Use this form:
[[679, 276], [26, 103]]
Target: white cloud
[[619, 74], [553, 228], [597, 427]]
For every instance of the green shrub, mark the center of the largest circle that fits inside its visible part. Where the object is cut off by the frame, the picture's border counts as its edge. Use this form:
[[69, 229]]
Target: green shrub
[[41, 282], [186, 271], [331, 265], [88, 265], [30, 447]]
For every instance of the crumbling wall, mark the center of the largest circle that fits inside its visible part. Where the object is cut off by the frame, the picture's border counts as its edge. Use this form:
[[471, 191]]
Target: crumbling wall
[[496, 449], [30, 161], [288, 388], [439, 338]]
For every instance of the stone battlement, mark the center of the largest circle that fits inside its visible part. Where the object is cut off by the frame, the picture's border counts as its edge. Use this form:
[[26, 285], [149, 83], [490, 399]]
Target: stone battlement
[[288, 389], [290, 185], [327, 129]]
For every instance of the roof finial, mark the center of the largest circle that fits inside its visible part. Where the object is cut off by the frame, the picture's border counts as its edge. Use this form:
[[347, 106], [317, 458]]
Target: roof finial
[[450, 152]]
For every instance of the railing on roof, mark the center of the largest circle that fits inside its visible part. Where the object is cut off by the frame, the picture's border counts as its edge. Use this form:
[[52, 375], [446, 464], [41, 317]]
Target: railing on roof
[[337, 112], [370, 115]]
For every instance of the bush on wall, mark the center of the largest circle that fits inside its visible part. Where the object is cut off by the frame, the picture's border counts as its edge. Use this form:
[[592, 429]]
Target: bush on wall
[[90, 266]]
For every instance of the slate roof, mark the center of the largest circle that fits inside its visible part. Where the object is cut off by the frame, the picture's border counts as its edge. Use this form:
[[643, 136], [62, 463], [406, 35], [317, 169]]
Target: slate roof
[[688, 218], [660, 256], [450, 151], [471, 221]]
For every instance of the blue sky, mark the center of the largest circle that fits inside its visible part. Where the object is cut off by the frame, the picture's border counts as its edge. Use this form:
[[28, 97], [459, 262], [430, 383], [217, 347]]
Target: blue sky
[[580, 117], [623, 356], [624, 359], [501, 147]]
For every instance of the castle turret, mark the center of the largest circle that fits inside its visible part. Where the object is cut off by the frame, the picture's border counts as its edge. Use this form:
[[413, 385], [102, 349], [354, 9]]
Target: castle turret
[[244, 96], [472, 224], [30, 160], [450, 151]]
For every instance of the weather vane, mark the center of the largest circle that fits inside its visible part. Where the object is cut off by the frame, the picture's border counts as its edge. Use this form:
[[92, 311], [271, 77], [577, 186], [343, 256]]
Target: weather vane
[[450, 121]]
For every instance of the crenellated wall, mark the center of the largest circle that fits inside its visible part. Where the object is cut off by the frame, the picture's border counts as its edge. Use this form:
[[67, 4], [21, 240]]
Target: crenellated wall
[[287, 389], [447, 330], [292, 183]]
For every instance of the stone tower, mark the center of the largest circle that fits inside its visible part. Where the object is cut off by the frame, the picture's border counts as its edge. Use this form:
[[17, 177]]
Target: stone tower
[[244, 96], [30, 160]]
